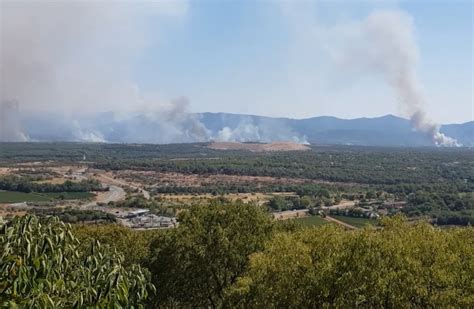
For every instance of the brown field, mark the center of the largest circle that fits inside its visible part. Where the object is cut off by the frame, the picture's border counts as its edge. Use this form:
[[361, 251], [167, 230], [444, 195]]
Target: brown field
[[54, 181], [153, 179], [257, 198], [259, 147]]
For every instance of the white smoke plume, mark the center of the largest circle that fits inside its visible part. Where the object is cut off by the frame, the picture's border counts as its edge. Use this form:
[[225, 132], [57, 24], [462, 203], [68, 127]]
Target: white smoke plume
[[384, 43], [265, 130], [169, 123], [74, 57], [10, 124]]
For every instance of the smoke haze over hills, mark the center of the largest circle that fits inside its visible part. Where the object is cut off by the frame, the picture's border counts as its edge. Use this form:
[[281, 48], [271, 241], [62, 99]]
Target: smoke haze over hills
[[139, 128], [69, 71]]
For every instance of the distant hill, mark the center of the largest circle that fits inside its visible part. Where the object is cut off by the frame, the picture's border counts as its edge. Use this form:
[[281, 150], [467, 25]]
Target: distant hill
[[387, 130], [183, 128]]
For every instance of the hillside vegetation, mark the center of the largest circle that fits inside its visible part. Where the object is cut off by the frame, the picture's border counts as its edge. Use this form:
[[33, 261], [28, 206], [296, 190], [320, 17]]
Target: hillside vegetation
[[234, 256]]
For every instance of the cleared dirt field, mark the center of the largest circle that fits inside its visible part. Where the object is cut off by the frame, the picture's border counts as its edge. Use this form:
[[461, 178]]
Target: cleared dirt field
[[54, 181], [155, 179], [259, 147]]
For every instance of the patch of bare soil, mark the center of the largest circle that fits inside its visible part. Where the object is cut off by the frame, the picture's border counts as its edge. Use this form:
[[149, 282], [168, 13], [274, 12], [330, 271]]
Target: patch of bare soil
[[259, 147], [152, 179]]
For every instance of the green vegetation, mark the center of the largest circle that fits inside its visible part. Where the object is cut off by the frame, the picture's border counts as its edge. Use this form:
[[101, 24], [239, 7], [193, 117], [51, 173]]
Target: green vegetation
[[357, 222], [43, 265], [26, 184], [311, 221], [18, 197], [434, 182], [398, 266], [72, 215], [235, 256], [134, 245], [194, 264], [69, 195]]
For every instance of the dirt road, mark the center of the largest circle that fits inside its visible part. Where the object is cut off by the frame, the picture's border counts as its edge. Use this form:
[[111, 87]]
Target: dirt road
[[290, 214], [342, 205]]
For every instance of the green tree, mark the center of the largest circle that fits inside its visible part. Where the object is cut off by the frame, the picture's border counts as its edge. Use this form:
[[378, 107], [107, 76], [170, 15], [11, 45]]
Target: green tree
[[42, 264], [133, 245], [195, 263], [397, 266]]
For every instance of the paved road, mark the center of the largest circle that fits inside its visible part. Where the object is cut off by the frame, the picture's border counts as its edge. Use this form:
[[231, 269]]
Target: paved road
[[111, 180], [114, 194]]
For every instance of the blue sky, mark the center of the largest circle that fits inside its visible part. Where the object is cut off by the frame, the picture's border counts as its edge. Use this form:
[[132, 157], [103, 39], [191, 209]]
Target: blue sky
[[277, 58], [248, 57]]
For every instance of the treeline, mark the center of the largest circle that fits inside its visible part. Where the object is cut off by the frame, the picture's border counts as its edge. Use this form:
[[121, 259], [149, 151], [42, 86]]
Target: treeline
[[444, 208], [282, 203], [455, 218], [370, 165], [14, 183], [235, 256], [252, 187], [70, 215], [344, 164]]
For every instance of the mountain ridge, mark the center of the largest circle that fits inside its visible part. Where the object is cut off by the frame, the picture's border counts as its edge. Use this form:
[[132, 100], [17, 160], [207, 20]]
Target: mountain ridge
[[386, 130]]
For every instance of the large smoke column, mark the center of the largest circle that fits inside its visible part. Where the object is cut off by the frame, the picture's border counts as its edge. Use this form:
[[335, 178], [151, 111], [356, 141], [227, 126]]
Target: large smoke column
[[72, 58], [384, 44]]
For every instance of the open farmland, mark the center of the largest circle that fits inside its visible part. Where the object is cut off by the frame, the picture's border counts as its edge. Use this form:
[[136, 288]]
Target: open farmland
[[18, 197], [357, 222], [311, 221], [350, 181]]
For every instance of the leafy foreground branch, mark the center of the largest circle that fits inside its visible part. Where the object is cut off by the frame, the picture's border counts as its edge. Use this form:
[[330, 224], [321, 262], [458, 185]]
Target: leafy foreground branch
[[42, 264]]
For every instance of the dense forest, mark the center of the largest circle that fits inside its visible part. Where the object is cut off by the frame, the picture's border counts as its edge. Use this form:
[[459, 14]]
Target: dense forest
[[23, 184], [235, 256]]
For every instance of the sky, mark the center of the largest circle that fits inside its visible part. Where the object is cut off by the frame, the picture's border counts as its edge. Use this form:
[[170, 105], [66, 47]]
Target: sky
[[254, 57]]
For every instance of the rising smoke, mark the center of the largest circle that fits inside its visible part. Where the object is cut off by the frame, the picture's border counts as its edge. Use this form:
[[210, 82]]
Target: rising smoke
[[71, 58], [266, 130], [10, 124], [384, 44], [75, 57]]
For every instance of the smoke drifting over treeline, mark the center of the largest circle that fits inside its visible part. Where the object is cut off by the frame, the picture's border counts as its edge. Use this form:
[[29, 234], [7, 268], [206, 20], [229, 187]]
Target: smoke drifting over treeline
[[69, 58], [10, 123]]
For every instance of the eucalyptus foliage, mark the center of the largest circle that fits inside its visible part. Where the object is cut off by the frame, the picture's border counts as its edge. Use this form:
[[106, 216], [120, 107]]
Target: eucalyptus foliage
[[42, 264]]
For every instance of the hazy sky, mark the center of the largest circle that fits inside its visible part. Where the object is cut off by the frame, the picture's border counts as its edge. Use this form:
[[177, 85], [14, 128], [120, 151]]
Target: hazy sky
[[268, 58], [249, 57]]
